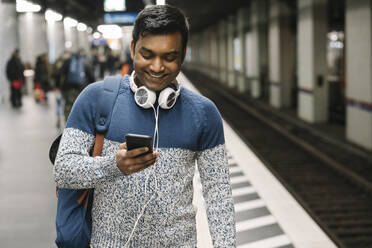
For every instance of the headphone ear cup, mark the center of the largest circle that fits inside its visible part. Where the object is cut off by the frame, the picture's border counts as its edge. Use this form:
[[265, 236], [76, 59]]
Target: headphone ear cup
[[167, 98], [144, 97]]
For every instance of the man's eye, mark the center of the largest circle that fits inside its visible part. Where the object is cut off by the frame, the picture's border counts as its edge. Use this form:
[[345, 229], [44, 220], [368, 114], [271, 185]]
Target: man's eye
[[146, 56], [170, 58]]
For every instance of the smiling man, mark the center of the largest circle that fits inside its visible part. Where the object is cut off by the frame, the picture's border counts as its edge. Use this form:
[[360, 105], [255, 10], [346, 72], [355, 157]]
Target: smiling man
[[145, 199]]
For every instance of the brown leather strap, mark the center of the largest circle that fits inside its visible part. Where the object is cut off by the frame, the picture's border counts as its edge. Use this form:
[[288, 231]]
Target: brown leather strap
[[82, 197], [86, 201], [97, 150]]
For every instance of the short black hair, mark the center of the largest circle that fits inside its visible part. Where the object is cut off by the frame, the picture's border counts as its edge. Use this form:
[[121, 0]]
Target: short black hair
[[161, 19]]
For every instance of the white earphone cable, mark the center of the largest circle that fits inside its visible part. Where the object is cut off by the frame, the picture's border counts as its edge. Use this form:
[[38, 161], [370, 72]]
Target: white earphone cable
[[155, 144], [156, 138]]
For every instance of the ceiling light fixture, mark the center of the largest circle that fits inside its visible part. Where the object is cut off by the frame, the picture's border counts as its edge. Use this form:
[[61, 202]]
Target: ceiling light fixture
[[96, 35], [25, 6], [70, 22], [81, 27], [52, 16], [110, 31]]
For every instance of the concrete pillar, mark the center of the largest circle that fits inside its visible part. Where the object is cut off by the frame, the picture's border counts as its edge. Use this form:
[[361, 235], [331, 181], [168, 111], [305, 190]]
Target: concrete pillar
[[222, 50], [206, 52], [32, 36], [83, 41], [56, 40], [200, 53], [8, 43], [258, 49], [312, 62], [196, 52], [250, 58], [126, 40], [195, 44], [281, 54], [358, 28], [190, 54], [230, 51], [71, 38], [214, 53], [242, 24]]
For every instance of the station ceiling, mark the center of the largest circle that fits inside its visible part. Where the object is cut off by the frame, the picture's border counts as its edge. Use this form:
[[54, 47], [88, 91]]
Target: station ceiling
[[200, 13]]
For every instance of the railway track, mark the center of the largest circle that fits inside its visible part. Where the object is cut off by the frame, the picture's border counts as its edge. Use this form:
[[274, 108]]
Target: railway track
[[335, 190]]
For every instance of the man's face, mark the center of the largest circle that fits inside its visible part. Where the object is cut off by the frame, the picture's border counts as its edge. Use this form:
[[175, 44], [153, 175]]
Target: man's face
[[157, 60]]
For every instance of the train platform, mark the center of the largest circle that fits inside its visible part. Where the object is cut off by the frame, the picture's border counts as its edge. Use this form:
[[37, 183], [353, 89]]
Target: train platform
[[327, 176], [267, 215]]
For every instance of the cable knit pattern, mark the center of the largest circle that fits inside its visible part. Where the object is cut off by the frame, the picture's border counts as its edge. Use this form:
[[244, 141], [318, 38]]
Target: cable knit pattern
[[79, 170], [214, 176], [191, 131]]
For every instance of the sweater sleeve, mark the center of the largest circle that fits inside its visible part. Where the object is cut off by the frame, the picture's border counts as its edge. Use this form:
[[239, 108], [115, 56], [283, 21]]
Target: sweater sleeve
[[73, 167], [214, 175]]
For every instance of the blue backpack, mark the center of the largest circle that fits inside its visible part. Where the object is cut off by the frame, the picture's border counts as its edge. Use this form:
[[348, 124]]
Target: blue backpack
[[76, 71], [74, 217]]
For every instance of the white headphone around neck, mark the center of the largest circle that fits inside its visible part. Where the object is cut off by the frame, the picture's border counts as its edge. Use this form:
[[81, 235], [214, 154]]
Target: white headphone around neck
[[146, 98]]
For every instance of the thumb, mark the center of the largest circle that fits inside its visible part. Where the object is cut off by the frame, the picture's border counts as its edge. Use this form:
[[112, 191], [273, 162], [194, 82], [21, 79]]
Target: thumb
[[123, 146]]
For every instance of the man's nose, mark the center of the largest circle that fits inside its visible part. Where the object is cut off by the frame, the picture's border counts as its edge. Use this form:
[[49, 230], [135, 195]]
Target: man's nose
[[157, 65]]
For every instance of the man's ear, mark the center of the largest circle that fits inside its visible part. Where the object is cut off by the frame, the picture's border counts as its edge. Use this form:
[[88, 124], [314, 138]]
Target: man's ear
[[132, 49]]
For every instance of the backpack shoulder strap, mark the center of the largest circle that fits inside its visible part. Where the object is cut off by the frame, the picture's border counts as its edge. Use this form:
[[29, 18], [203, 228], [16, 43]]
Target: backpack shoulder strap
[[106, 103]]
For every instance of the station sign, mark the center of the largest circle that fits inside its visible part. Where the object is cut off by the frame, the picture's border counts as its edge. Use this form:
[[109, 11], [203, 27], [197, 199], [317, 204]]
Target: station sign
[[120, 18]]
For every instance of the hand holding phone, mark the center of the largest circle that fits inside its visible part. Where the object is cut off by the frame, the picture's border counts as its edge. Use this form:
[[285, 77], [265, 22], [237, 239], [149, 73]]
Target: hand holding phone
[[136, 154]]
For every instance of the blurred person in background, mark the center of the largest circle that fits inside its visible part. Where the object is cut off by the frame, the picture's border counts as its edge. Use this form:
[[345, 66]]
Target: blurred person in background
[[14, 73], [75, 74], [42, 77], [57, 67], [95, 61], [127, 66], [102, 65], [57, 78], [112, 62]]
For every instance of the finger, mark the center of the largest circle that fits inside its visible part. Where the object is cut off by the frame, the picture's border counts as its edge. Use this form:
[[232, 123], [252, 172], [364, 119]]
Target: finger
[[123, 146], [136, 152], [130, 165], [121, 153], [143, 158], [142, 166], [151, 162]]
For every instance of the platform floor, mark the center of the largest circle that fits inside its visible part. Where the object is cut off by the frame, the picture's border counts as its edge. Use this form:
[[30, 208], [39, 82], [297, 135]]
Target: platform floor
[[267, 216], [27, 189]]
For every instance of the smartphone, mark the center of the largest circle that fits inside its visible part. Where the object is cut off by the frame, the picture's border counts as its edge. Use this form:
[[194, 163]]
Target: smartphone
[[137, 140]]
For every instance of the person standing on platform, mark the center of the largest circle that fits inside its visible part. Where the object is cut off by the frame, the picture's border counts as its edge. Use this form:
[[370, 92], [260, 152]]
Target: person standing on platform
[[145, 199], [75, 74], [57, 78], [14, 73], [111, 62], [42, 75]]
